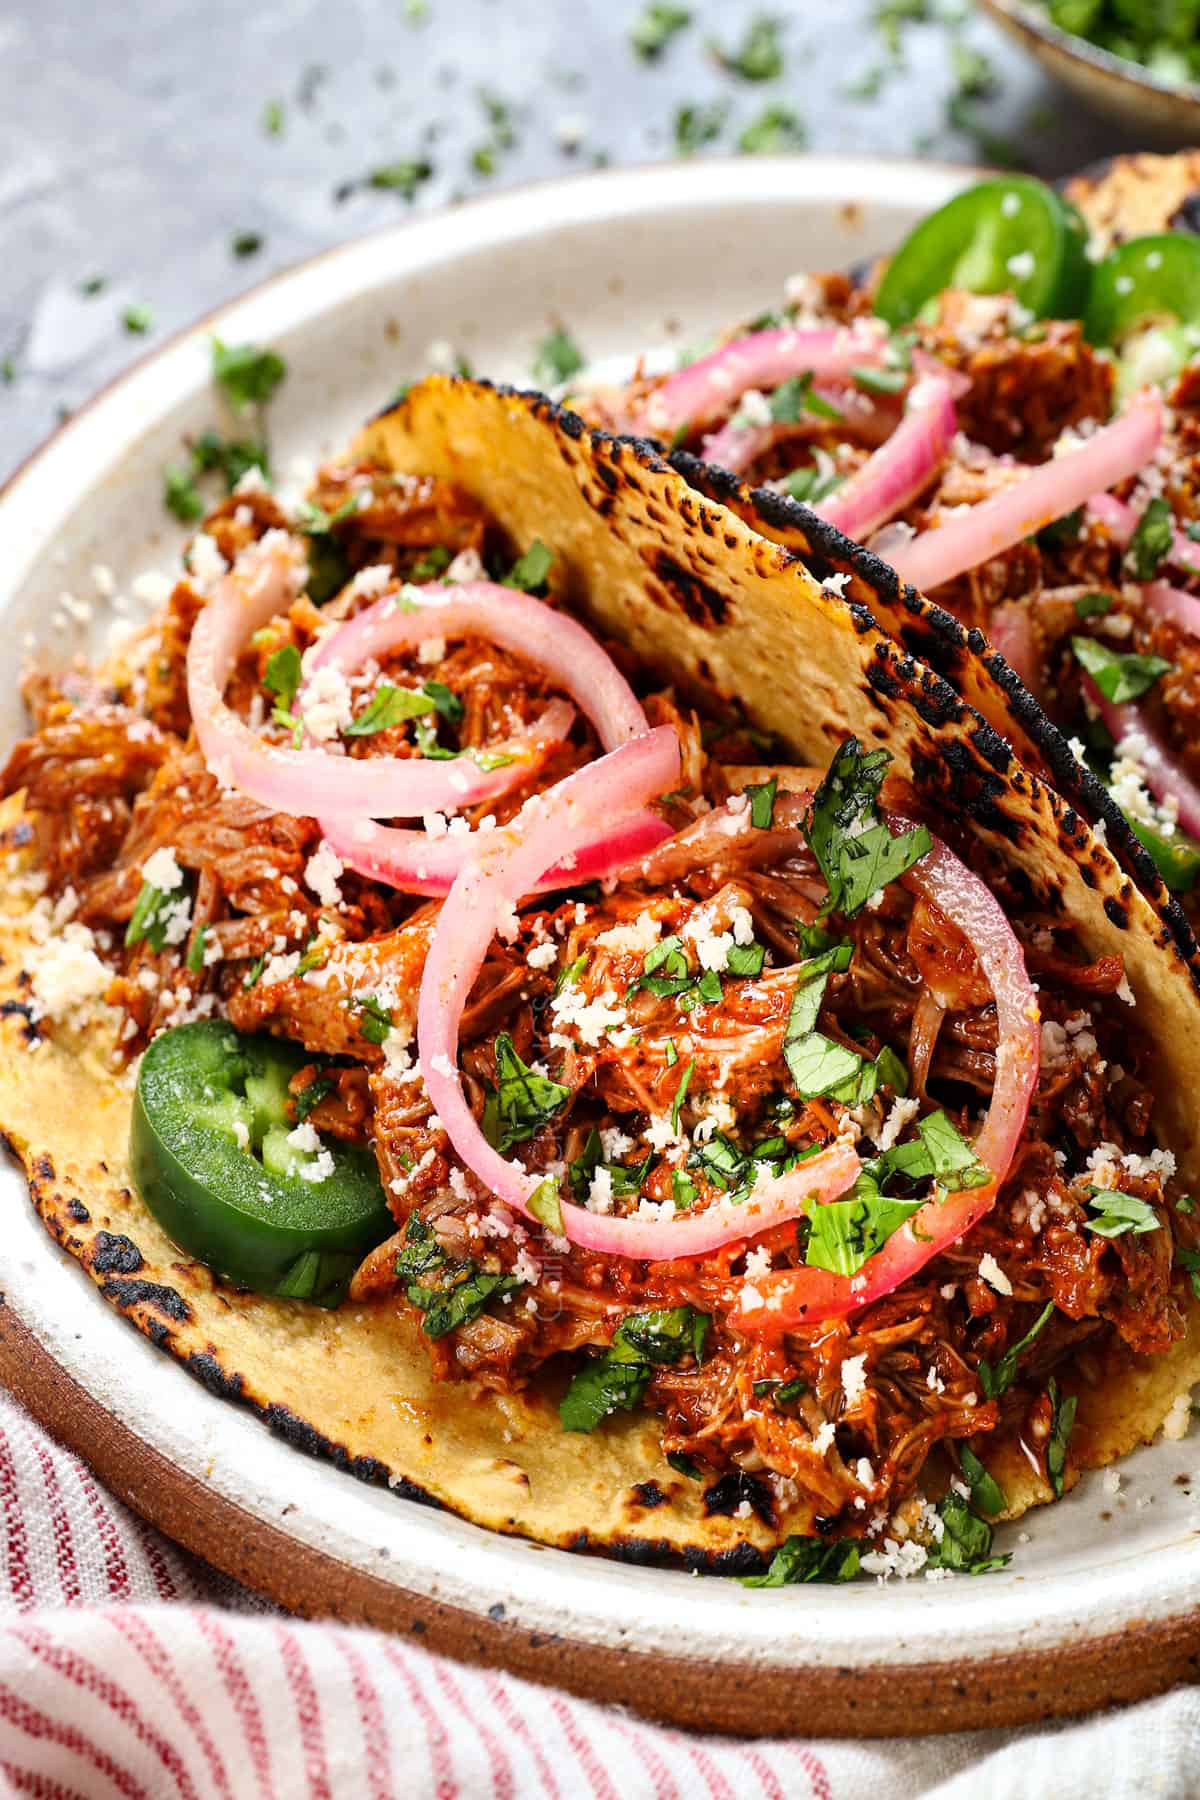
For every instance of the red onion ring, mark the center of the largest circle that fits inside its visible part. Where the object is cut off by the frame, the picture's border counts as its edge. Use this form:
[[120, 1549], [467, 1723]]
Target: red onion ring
[[1010, 630], [798, 1296], [417, 863], [510, 865], [1048, 492], [1167, 602], [708, 388], [1161, 772], [898, 471]]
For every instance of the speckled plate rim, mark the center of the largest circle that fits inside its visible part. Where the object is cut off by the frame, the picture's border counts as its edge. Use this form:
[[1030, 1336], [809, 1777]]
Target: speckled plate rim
[[1086, 1615]]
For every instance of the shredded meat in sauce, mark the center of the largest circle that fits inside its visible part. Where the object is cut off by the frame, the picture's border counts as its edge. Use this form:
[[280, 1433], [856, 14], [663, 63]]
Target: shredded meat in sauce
[[111, 775]]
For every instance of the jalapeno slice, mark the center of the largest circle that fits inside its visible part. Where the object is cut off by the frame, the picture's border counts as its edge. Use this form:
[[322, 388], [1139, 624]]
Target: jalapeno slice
[[1145, 301], [1007, 235], [210, 1156]]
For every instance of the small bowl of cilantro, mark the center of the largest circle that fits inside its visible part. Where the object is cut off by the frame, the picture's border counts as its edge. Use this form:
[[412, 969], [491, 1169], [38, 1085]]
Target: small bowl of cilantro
[[1136, 60]]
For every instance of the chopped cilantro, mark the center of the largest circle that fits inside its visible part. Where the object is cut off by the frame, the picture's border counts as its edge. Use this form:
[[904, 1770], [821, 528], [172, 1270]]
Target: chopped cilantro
[[985, 1491], [93, 285], [137, 319], [272, 118], [1151, 541], [558, 357], [655, 26], [854, 848], [777, 129], [195, 955], [282, 676], [1093, 606], [681, 1092], [254, 972], [698, 125], [230, 457], [1062, 1418], [180, 494], [745, 960], [627, 1178], [530, 571], [460, 1291], [1061, 531], [314, 521], [1113, 1214], [761, 795], [1000, 1379], [966, 1541], [683, 1189], [520, 1101], [246, 375], [152, 915], [446, 701], [402, 177], [620, 1376], [389, 706], [374, 1018], [846, 1233], [685, 1465], [1120, 675], [570, 974], [246, 243], [801, 1559], [758, 57], [311, 1096], [797, 395], [1189, 1262], [810, 485]]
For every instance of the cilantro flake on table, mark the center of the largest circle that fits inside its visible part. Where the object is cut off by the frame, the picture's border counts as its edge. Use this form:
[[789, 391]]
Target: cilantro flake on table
[[759, 55], [699, 124], [655, 26]]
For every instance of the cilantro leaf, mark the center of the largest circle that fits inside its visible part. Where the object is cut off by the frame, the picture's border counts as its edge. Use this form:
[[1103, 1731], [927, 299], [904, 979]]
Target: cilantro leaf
[[1120, 675], [448, 704], [1062, 1418], [855, 850], [797, 395], [627, 1178], [246, 375], [152, 913], [681, 1092], [801, 1559], [998, 1380], [1151, 542], [761, 795], [389, 706], [558, 357], [375, 1021], [846, 1233], [1189, 1262], [529, 572], [758, 57], [521, 1101], [966, 1541], [462, 1290], [1113, 1214], [809, 991], [696, 126], [619, 1377], [777, 128], [654, 28], [819, 1066], [282, 676], [402, 177], [986, 1492], [1093, 606], [180, 494]]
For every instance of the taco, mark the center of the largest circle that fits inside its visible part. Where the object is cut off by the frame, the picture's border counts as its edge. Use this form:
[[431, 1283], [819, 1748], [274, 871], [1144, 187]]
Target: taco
[[747, 1122], [1012, 428]]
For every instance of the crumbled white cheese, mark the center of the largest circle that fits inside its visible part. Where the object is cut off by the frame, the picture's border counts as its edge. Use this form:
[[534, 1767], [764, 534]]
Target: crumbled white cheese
[[1022, 265], [431, 650], [1178, 1421], [904, 1559], [991, 1272], [713, 949], [543, 955], [638, 938], [590, 1019], [854, 1378], [321, 872], [823, 1439], [901, 1112], [328, 704], [614, 1142], [600, 1191], [836, 584], [66, 974], [758, 1261], [206, 563], [241, 1130], [162, 871], [467, 566]]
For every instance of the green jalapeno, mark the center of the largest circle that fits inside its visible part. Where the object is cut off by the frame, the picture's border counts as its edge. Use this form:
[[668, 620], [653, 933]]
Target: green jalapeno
[[214, 1158], [1145, 303], [1008, 235]]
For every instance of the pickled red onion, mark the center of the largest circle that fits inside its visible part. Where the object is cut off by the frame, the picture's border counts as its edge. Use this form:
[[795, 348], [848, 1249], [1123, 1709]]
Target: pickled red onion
[[707, 389], [418, 863], [513, 861], [794, 1297], [897, 472], [1010, 631], [1160, 771], [1167, 602], [1047, 493]]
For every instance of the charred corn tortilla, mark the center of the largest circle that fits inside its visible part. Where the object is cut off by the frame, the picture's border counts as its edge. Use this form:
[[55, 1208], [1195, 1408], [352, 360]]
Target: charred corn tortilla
[[1130, 196], [693, 591]]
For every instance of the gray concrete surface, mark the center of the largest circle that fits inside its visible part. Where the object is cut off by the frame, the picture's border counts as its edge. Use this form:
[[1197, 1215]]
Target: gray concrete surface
[[134, 144]]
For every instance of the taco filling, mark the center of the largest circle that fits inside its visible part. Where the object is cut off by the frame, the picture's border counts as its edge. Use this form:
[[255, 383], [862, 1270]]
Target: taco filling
[[649, 1069], [1013, 428]]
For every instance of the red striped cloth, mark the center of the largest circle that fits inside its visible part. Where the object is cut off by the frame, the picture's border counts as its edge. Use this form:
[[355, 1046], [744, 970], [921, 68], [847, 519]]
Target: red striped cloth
[[129, 1669]]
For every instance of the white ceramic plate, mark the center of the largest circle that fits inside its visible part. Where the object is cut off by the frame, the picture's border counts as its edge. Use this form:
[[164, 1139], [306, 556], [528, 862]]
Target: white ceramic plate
[[1101, 1596]]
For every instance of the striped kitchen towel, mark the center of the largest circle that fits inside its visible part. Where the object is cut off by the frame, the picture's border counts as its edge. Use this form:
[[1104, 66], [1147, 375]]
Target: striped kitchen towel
[[129, 1669]]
